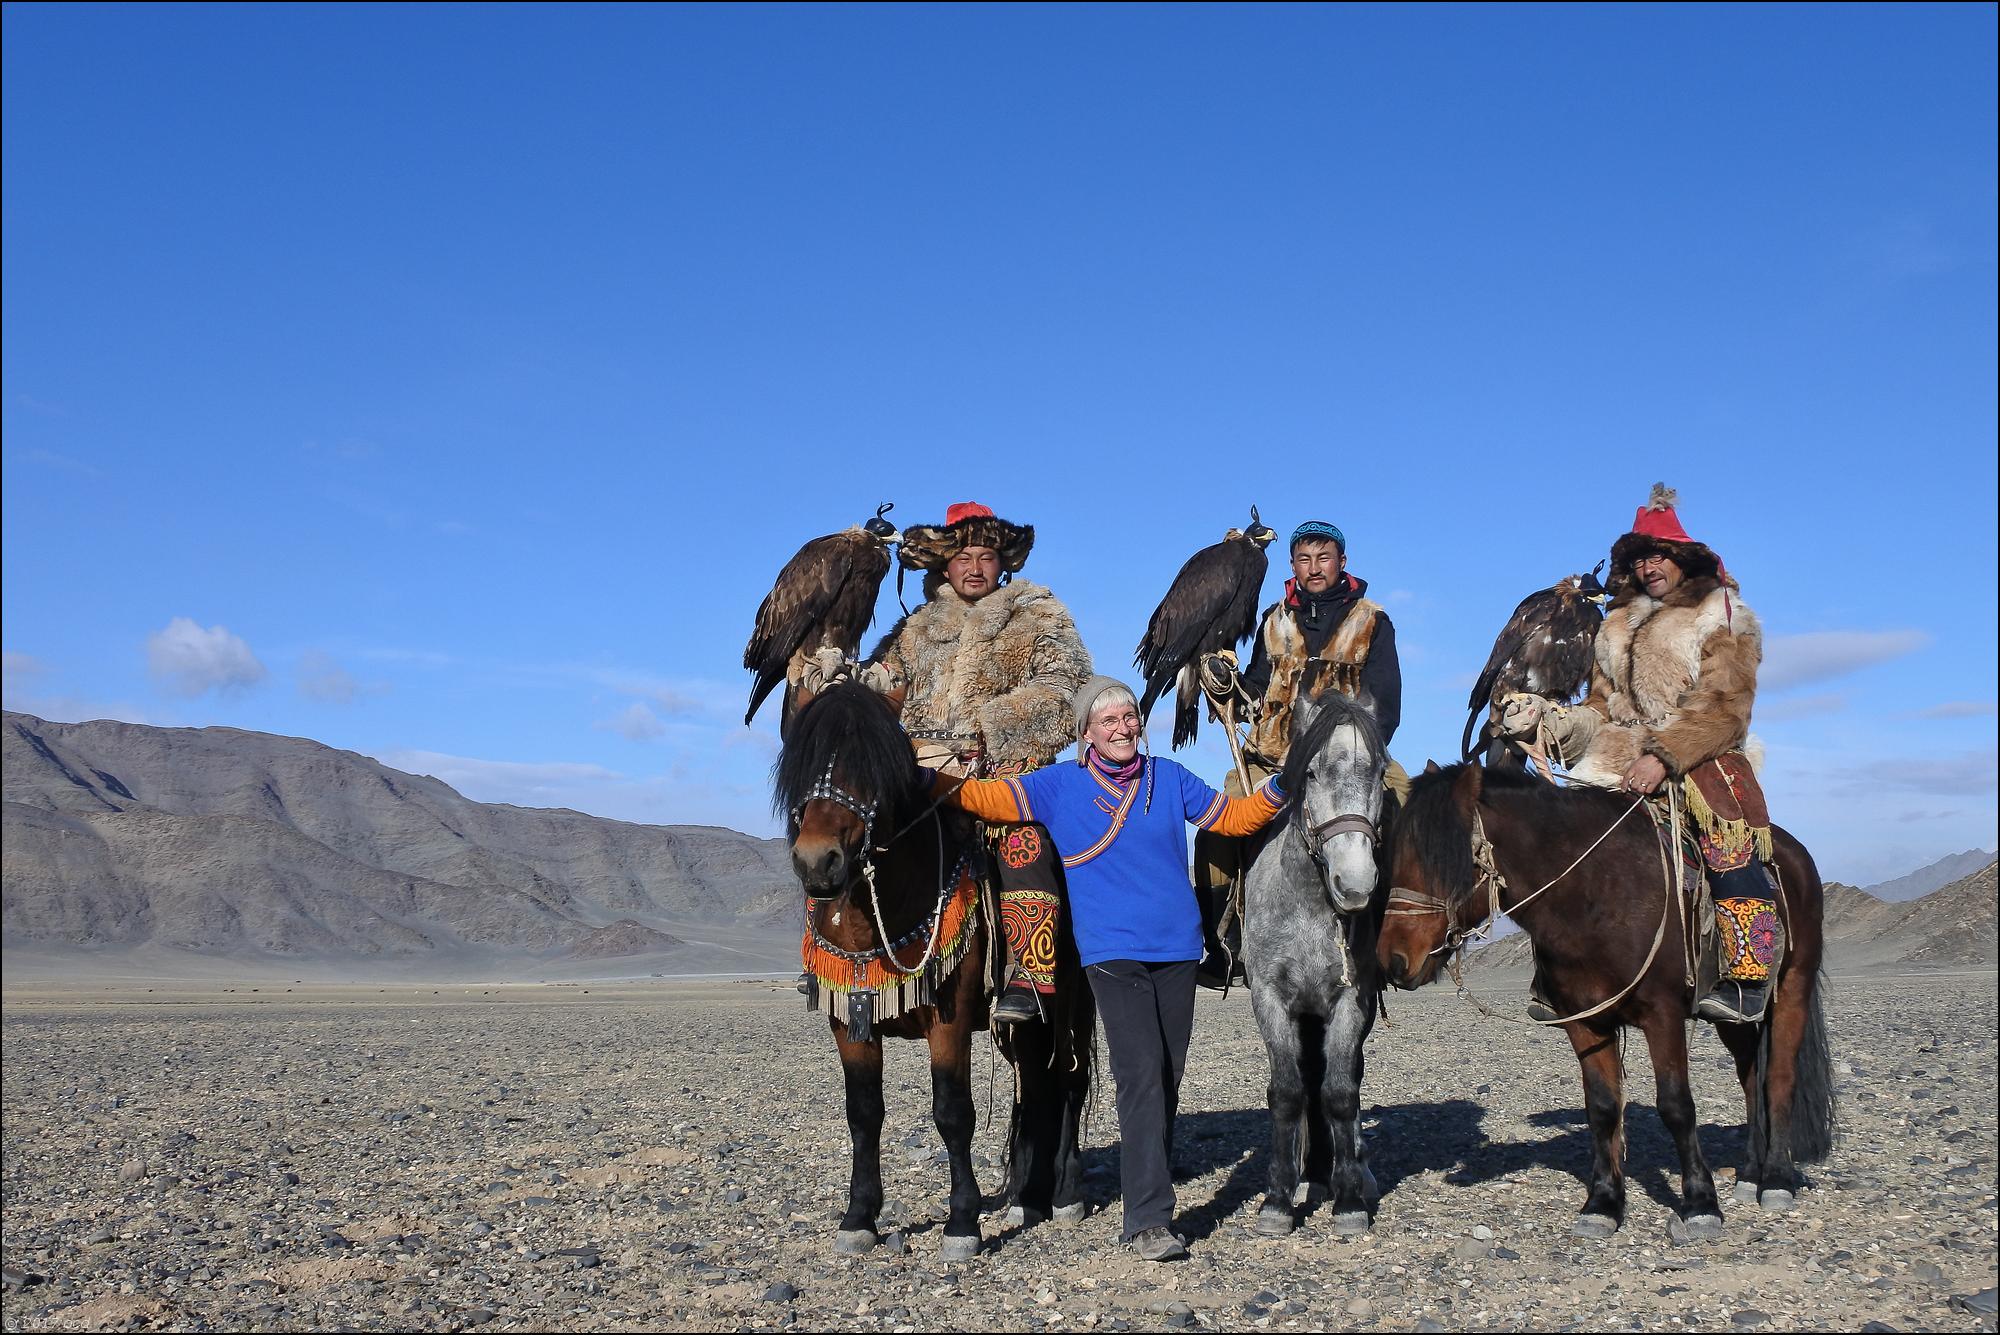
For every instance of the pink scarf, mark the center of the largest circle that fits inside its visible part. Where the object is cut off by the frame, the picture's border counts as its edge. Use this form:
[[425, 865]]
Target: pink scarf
[[1122, 774]]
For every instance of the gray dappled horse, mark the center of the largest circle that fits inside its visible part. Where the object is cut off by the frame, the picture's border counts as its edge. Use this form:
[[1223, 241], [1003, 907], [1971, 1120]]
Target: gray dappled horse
[[1310, 914]]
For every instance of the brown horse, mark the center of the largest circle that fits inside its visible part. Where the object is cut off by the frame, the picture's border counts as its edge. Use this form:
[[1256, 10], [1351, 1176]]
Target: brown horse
[[881, 862], [1593, 928]]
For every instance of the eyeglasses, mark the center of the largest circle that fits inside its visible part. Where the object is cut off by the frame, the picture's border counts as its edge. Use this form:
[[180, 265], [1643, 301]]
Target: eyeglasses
[[1125, 720], [1652, 559]]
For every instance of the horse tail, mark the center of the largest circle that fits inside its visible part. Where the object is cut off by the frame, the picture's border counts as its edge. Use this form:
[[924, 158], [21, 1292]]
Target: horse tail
[[1813, 1123]]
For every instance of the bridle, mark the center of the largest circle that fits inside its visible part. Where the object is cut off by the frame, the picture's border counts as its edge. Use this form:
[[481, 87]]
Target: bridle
[[825, 789], [1314, 838], [1407, 903]]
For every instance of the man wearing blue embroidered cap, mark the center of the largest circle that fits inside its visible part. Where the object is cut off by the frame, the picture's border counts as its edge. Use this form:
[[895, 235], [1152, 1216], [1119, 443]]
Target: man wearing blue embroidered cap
[[1119, 820], [1324, 634]]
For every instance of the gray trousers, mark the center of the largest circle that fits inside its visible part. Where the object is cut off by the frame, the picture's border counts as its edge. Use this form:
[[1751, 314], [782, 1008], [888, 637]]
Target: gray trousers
[[1148, 1015]]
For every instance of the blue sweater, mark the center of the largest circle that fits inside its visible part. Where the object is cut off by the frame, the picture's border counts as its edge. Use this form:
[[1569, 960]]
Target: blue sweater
[[1129, 892]]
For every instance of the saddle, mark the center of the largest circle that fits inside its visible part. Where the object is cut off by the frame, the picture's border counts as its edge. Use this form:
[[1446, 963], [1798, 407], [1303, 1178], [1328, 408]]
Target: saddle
[[1713, 933]]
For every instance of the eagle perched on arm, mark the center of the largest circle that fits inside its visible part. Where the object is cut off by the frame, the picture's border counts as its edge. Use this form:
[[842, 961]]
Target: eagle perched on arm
[[1211, 606], [824, 598], [1544, 649]]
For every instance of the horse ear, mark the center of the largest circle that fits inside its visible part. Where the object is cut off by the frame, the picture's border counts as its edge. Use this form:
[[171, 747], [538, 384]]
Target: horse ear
[[1466, 787], [1432, 767]]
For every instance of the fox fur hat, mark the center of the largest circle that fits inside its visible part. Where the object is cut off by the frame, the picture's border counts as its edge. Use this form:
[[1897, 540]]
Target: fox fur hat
[[930, 547]]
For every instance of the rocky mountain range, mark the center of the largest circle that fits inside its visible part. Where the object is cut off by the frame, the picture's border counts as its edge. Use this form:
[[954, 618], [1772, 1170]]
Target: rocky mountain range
[[222, 843], [1915, 885]]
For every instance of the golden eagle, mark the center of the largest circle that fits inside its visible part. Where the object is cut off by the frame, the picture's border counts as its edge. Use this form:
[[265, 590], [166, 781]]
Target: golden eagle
[[1212, 606], [824, 597], [1545, 649]]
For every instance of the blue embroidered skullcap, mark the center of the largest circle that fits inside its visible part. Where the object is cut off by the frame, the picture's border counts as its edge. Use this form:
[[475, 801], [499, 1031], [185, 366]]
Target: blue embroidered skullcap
[[1321, 531]]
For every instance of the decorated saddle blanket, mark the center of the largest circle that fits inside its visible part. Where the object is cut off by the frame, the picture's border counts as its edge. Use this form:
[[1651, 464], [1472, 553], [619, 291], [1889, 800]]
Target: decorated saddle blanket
[[1725, 806]]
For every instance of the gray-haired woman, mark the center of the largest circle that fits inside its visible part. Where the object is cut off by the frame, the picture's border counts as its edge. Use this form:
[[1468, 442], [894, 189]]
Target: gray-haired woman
[[1119, 818]]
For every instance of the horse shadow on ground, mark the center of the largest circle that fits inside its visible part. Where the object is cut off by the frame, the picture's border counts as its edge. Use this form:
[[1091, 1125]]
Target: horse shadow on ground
[[1404, 1140]]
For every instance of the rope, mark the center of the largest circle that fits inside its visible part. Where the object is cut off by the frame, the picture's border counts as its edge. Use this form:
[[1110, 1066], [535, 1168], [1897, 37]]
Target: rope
[[1671, 892]]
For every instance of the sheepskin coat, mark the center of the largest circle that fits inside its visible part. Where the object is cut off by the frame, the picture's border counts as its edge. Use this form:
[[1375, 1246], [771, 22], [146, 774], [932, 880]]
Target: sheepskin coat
[[1674, 677], [1002, 669]]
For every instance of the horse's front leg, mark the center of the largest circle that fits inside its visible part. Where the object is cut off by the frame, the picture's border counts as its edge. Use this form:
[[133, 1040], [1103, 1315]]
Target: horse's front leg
[[1286, 1095], [952, 1108], [1340, 1096], [1604, 1105], [861, 1066], [1701, 1212]]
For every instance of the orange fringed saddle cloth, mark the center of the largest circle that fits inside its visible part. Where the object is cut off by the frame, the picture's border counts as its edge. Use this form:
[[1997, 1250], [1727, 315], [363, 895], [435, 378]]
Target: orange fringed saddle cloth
[[840, 979]]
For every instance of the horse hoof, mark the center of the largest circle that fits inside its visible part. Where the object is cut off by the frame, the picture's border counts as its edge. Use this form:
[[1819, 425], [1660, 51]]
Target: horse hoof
[[1351, 1224], [1593, 1226], [1776, 1200], [1074, 1213], [1274, 1223], [1696, 1228], [1016, 1216], [855, 1241], [959, 1247], [1746, 1192]]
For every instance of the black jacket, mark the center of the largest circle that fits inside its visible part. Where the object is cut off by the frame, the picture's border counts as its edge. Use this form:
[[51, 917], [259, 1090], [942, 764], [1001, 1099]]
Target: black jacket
[[1317, 617]]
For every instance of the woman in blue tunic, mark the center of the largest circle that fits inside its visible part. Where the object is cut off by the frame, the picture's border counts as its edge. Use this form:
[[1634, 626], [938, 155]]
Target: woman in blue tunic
[[1119, 821]]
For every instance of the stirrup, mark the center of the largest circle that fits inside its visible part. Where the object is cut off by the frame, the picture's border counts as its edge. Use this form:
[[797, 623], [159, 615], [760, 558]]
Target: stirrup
[[1540, 1011], [1733, 1002], [1018, 1004]]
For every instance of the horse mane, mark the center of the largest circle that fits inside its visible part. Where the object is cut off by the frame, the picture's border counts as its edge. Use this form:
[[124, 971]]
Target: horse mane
[[1328, 713], [1432, 827], [854, 725]]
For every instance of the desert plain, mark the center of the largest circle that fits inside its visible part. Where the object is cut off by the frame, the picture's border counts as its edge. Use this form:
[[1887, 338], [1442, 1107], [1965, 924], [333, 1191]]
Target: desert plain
[[672, 1155]]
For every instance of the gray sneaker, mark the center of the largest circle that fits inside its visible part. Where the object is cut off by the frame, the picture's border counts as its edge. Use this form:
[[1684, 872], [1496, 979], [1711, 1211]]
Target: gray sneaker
[[1159, 1244]]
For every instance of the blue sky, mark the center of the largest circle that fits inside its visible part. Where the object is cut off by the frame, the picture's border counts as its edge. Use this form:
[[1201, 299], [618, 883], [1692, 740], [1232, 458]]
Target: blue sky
[[449, 384]]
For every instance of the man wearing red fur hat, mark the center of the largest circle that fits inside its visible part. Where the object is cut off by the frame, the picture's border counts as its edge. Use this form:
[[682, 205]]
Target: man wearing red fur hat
[[1671, 689], [986, 668]]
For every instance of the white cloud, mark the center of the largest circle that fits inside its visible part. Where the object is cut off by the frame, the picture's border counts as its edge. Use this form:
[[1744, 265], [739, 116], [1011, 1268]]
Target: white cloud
[[1966, 774], [635, 723], [322, 679], [19, 669], [190, 661], [1958, 709], [1795, 660], [1801, 706], [524, 783]]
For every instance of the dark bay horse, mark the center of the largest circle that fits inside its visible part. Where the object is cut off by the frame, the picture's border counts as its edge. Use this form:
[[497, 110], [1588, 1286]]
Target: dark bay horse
[[1593, 928], [882, 864], [1310, 913]]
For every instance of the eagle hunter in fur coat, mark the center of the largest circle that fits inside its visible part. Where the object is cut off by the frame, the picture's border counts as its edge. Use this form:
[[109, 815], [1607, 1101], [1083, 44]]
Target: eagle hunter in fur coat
[[1001, 669], [1672, 677]]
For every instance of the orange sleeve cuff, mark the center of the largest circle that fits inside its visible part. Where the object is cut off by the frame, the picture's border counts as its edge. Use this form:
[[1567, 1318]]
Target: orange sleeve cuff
[[1246, 815], [998, 800]]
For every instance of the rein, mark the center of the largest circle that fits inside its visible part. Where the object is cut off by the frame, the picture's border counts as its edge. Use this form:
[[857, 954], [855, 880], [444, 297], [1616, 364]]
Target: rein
[[1405, 902]]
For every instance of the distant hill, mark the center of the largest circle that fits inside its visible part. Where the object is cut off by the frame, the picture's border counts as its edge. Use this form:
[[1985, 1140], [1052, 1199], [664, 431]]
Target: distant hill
[[243, 845], [1939, 874]]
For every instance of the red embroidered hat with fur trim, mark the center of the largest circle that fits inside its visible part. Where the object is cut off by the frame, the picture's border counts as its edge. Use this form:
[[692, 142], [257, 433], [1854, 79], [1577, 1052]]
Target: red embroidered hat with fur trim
[[1657, 528], [966, 524]]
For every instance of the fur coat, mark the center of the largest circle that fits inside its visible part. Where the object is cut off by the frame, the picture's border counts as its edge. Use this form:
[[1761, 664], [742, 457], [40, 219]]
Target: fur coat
[[1674, 677], [1002, 669]]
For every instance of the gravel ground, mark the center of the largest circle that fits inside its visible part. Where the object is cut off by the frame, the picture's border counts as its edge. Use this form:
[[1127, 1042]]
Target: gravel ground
[[674, 1156]]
